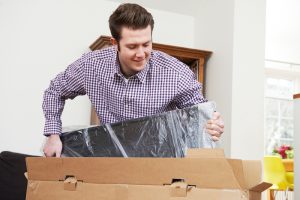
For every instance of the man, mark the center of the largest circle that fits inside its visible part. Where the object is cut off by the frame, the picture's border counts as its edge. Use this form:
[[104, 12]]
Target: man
[[126, 81]]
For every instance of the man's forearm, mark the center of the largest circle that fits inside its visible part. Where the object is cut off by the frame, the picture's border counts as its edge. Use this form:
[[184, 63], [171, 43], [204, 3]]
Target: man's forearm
[[53, 106]]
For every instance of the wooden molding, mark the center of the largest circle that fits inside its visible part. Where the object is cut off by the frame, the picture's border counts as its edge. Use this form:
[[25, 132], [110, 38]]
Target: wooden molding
[[296, 96]]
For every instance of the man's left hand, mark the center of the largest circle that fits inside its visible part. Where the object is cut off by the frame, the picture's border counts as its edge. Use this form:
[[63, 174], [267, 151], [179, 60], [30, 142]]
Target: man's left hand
[[215, 126]]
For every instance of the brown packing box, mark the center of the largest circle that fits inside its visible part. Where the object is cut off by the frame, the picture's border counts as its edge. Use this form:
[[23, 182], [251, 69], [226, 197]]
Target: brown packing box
[[205, 174]]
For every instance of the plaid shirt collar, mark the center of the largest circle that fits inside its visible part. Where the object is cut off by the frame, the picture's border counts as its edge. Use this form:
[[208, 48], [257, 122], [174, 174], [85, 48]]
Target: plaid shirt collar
[[140, 75]]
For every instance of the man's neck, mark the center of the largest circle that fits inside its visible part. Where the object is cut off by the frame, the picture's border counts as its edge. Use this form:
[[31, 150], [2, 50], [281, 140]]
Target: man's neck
[[127, 75]]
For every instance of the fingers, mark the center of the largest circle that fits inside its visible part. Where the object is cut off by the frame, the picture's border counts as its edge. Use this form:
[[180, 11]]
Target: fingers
[[215, 126], [219, 122], [49, 151], [215, 136], [57, 153], [53, 146], [52, 152], [215, 139], [213, 133]]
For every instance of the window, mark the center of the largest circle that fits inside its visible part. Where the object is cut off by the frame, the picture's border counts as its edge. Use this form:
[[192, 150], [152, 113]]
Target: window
[[280, 84], [278, 113]]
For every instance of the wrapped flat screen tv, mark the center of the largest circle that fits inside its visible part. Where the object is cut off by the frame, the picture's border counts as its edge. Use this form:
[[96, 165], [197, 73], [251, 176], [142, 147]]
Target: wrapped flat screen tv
[[167, 134]]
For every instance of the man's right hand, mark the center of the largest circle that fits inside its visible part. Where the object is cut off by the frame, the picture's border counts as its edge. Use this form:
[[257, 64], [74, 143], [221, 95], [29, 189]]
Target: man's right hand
[[53, 146]]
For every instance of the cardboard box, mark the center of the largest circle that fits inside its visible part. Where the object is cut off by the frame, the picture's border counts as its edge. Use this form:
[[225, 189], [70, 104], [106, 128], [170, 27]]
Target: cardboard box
[[204, 174]]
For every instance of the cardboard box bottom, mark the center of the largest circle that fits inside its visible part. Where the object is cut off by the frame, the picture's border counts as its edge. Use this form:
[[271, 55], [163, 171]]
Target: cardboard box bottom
[[49, 190]]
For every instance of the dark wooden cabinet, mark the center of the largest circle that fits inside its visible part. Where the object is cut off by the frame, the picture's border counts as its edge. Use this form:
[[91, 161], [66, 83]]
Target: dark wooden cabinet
[[194, 58]]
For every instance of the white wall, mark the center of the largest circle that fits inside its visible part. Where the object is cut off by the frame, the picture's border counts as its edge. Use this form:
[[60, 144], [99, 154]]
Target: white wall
[[234, 31], [248, 80], [38, 40], [282, 30], [214, 31]]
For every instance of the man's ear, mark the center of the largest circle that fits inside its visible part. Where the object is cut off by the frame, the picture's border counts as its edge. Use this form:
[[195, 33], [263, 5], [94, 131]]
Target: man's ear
[[113, 41]]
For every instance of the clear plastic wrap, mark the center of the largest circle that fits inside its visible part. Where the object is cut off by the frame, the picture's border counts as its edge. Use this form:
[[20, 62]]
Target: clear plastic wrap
[[168, 134]]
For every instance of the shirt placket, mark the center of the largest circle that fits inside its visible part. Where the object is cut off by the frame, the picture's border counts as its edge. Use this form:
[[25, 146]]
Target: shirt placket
[[126, 100]]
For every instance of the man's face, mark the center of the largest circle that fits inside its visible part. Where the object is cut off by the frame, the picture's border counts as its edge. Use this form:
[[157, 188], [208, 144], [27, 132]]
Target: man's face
[[135, 47]]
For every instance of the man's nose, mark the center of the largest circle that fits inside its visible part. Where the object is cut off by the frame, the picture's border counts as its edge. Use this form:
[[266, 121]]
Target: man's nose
[[140, 52]]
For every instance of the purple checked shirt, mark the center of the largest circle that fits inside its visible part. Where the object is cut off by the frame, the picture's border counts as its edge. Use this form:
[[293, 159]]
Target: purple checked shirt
[[164, 84]]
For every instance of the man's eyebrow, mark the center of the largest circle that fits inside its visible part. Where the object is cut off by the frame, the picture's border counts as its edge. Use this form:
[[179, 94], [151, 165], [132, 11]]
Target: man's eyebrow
[[147, 42], [138, 43]]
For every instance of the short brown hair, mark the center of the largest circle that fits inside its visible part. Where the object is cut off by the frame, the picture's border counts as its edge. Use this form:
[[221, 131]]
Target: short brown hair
[[131, 16]]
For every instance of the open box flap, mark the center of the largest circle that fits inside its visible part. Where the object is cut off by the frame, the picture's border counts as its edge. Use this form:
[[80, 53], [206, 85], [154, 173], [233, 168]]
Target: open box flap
[[238, 170], [253, 176], [202, 172], [252, 172], [247, 172], [261, 187]]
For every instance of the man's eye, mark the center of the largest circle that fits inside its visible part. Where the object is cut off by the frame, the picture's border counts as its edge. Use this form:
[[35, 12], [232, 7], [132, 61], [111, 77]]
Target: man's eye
[[131, 47]]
